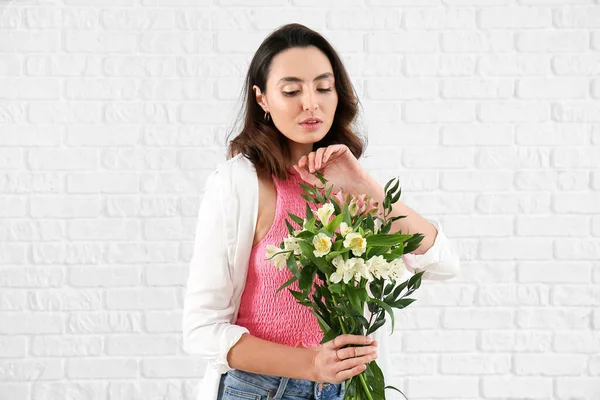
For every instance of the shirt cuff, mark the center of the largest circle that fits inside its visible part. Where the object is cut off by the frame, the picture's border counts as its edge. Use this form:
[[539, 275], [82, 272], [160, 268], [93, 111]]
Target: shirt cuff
[[439, 262]]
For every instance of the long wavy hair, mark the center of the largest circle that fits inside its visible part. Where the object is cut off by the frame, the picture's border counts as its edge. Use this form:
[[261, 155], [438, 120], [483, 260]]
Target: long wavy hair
[[259, 140]]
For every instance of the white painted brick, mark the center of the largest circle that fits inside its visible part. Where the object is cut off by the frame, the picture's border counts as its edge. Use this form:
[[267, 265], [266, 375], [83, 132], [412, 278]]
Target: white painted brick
[[505, 203], [515, 18], [66, 346], [139, 66], [135, 19], [402, 42], [577, 203], [407, 365], [13, 300], [576, 342], [553, 42], [482, 318], [31, 324], [99, 42], [62, 65], [514, 112], [351, 18], [440, 387], [514, 341], [169, 229], [470, 135], [559, 226], [520, 249], [35, 89], [577, 249], [596, 224], [170, 182], [392, 89], [69, 207], [65, 299], [468, 88], [512, 295], [31, 370], [531, 387], [476, 42], [103, 183], [487, 272], [162, 321], [557, 88], [176, 42], [138, 113], [577, 17], [144, 299], [513, 65], [436, 341], [170, 367], [29, 42], [131, 345], [63, 113], [13, 347], [421, 111], [13, 207], [447, 18], [582, 64], [554, 272], [103, 322], [475, 364], [134, 159], [479, 226], [475, 181], [79, 389], [552, 134], [575, 295], [582, 387], [78, 368], [550, 364], [104, 276], [553, 318], [13, 390], [141, 252]]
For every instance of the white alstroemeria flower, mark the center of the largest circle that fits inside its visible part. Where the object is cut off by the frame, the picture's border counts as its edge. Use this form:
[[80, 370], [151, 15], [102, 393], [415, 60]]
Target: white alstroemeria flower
[[322, 244], [343, 270], [379, 267], [280, 260], [291, 243], [325, 212], [359, 269], [356, 242], [397, 269], [345, 229]]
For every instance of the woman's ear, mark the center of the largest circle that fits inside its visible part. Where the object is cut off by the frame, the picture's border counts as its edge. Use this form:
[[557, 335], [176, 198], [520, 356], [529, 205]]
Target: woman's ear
[[260, 98]]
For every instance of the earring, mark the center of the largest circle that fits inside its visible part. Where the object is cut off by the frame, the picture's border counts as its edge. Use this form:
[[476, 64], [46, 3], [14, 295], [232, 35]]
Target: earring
[[267, 116]]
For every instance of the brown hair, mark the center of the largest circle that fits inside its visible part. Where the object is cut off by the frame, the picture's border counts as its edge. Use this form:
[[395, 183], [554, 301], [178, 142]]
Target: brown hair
[[260, 141]]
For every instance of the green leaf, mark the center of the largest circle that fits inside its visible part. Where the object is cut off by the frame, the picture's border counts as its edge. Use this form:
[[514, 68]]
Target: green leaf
[[376, 325], [400, 304], [386, 307], [296, 219], [309, 199], [287, 283], [394, 296], [307, 188], [384, 239], [293, 266], [334, 223], [335, 288], [307, 277]]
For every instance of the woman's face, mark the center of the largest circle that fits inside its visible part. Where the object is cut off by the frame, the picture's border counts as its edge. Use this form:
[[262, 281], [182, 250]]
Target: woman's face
[[300, 85]]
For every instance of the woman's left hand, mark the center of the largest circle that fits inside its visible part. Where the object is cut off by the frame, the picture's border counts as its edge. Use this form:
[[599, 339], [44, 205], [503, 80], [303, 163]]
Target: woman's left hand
[[338, 165]]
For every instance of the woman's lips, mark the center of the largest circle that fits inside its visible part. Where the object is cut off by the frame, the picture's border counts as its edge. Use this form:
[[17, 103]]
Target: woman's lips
[[311, 127]]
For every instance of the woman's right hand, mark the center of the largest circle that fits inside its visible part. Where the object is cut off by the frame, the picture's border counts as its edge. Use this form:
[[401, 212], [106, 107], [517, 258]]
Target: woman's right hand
[[333, 364]]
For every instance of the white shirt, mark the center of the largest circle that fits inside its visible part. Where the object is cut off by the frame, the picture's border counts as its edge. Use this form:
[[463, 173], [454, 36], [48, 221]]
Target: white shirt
[[224, 235]]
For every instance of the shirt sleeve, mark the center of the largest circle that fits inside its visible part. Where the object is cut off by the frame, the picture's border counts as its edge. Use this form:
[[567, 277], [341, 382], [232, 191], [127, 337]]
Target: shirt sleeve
[[208, 302], [440, 262]]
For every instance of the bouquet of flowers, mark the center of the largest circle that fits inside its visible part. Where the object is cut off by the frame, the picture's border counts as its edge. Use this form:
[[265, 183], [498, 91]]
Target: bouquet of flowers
[[358, 260]]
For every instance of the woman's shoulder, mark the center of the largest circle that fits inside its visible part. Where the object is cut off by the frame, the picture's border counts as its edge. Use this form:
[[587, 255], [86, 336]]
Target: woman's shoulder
[[235, 174]]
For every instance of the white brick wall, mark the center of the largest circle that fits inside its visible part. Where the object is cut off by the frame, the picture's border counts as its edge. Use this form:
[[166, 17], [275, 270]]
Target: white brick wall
[[113, 113]]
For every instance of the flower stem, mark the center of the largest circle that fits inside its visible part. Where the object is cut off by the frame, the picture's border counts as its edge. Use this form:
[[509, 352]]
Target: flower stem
[[360, 376]]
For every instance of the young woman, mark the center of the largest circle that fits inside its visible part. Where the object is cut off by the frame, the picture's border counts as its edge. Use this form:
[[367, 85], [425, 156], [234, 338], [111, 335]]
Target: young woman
[[299, 110]]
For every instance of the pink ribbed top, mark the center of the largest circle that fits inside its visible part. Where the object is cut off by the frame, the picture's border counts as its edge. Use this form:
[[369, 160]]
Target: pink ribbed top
[[278, 317]]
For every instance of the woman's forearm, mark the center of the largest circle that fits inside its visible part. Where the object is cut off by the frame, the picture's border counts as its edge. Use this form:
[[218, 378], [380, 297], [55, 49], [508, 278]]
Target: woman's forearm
[[259, 356]]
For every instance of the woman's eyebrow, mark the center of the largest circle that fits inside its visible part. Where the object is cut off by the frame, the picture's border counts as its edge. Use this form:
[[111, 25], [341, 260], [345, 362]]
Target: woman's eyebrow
[[295, 79]]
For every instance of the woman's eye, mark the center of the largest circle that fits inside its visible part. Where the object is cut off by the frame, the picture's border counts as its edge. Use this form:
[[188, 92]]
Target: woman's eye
[[296, 91]]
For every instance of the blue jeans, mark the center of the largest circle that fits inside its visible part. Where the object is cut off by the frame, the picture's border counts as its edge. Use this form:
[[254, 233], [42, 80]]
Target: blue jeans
[[242, 385]]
